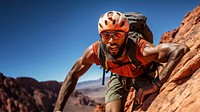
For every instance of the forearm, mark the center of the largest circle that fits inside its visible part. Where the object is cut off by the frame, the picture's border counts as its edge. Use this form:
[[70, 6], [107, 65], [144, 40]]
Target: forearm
[[173, 60], [66, 89], [69, 84], [167, 70]]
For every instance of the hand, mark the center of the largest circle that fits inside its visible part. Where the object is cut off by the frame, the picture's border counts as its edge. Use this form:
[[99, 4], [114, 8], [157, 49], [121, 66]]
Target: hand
[[130, 99], [142, 92]]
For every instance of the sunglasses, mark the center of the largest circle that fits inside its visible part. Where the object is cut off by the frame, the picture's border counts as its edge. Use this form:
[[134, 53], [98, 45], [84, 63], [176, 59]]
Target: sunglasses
[[114, 35]]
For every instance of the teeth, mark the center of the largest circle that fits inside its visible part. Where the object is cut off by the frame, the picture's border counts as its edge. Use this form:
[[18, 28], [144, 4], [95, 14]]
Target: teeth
[[113, 46]]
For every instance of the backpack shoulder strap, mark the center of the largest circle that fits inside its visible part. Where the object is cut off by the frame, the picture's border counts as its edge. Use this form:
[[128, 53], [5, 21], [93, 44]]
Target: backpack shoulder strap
[[102, 60], [131, 49], [101, 56]]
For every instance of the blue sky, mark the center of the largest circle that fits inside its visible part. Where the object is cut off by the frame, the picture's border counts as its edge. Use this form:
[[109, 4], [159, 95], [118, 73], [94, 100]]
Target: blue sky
[[42, 39]]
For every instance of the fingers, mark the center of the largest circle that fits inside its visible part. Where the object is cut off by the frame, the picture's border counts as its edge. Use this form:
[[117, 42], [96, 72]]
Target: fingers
[[131, 89], [131, 94], [140, 96], [142, 92]]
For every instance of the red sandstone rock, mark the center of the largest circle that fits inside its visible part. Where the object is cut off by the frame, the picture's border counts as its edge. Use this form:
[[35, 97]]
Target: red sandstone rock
[[181, 92]]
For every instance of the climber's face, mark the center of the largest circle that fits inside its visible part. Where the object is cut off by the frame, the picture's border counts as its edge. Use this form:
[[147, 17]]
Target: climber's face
[[113, 41]]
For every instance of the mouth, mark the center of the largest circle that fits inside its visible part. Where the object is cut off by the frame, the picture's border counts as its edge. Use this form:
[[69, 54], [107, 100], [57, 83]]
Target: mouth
[[113, 49]]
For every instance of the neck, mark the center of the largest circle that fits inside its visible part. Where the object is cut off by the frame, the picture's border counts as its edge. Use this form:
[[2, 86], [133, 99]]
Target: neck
[[120, 59]]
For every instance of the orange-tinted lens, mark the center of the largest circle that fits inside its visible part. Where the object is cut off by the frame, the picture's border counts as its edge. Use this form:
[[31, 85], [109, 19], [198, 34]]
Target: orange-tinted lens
[[118, 35], [105, 36], [114, 35]]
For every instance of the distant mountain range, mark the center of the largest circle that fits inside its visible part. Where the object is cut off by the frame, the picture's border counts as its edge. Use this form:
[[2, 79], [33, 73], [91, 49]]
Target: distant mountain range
[[91, 83], [27, 94]]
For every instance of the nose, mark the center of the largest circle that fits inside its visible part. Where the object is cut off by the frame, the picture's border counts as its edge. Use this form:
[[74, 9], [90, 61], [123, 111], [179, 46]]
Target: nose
[[111, 40]]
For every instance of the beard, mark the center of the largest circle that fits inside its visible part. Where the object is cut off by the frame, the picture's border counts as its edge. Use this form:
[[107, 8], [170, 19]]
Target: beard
[[120, 50], [112, 55]]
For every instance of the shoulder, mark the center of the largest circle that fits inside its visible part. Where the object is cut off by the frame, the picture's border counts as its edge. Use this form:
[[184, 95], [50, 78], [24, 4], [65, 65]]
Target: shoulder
[[87, 56], [95, 47], [90, 54]]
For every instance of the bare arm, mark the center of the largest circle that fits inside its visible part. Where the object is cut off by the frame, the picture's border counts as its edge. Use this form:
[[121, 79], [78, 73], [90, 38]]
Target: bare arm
[[166, 52], [68, 86]]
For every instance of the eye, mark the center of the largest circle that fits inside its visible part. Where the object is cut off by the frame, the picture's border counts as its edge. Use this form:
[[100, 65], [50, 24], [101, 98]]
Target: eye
[[118, 34], [105, 36]]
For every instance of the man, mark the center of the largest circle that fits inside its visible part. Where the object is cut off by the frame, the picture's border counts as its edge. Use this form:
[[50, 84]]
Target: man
[[115, 47]]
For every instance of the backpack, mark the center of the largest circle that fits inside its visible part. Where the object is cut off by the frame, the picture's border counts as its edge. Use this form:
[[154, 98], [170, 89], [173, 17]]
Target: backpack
[[138, 29], [138, 23]]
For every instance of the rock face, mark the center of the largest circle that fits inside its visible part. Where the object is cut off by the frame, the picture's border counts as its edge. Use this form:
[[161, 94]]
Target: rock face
[[181, 93]]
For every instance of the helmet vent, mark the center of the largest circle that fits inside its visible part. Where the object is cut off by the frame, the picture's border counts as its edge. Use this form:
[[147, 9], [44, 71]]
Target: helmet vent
[[122, 24], [114, 21], [106, 22], [118, 13], [110, 14], [100, 25]]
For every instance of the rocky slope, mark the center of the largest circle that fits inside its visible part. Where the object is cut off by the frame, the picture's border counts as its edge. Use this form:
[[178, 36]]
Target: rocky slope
[[181, 93]]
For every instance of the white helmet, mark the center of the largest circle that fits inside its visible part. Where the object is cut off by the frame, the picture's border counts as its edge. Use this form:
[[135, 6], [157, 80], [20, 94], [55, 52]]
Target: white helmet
[[113, 20]]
